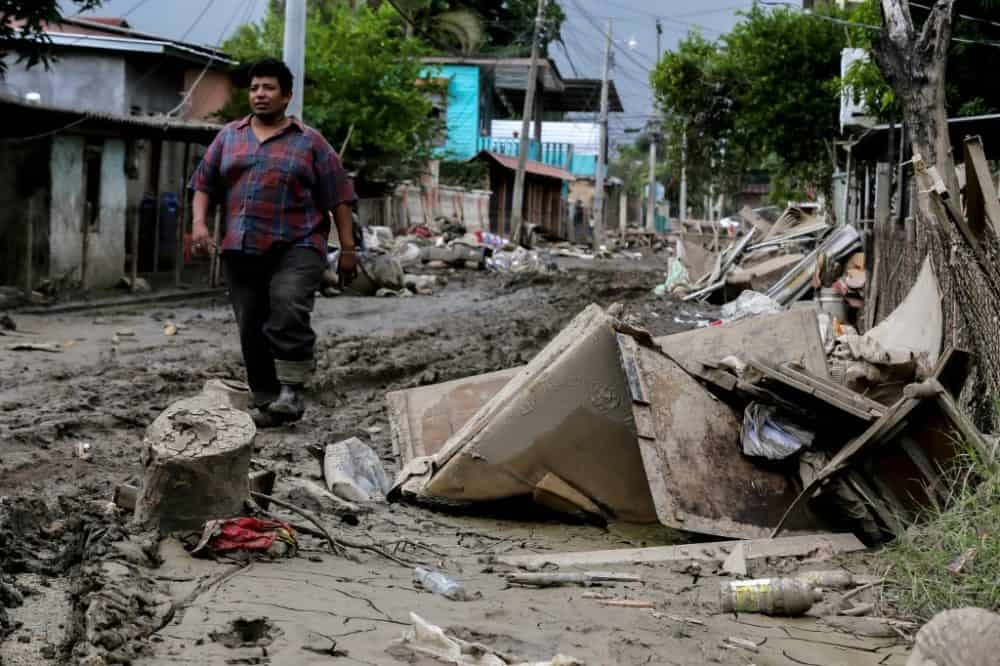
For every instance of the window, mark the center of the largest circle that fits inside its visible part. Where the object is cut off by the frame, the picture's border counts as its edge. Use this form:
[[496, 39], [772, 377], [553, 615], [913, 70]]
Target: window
[[93, 150]]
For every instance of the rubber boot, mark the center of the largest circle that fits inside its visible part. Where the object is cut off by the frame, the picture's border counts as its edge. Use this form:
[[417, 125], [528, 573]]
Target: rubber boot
[[289, 406]]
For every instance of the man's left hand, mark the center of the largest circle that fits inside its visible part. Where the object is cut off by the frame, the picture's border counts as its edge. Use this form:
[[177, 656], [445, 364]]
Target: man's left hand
[[347, 267]]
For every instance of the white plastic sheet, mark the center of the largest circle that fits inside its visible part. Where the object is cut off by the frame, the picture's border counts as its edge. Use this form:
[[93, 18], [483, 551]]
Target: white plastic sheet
[[768, 434]]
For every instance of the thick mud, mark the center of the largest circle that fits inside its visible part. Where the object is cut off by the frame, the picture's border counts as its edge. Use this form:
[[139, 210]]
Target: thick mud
[[78, 586]]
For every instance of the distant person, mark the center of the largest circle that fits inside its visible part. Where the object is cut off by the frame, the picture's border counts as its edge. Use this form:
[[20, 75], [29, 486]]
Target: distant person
[[278, 181]]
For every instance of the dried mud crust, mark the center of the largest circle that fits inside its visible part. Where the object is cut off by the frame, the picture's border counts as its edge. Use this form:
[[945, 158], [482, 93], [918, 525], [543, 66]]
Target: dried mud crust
[[54, 517]]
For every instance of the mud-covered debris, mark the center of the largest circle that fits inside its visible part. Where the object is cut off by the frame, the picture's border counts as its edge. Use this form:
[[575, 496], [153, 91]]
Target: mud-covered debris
[[247, 632]]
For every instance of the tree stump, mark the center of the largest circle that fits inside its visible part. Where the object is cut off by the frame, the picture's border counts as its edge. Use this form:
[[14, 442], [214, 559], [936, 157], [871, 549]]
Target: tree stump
[[196, 463]]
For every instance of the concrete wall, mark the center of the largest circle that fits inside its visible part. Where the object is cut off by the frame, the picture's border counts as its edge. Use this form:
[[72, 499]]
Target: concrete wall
[[106, 247], [210, 95], [106, 244], [24, 199], [84, 81], [67, 200], [463, 109], [157, 92]]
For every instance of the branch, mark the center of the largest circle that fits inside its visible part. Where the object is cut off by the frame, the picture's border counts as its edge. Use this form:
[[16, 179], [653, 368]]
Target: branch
[[898, 24], [936, 34]]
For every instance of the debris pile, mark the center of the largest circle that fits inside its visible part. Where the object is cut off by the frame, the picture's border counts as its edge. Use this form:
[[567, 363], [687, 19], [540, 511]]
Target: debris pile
[[779, 419], [798, 254]]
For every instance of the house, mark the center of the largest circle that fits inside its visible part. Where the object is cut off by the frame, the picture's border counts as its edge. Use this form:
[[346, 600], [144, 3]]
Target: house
[[544, 194], [485, 95], [107, 134], [483, 90], [65, 193]]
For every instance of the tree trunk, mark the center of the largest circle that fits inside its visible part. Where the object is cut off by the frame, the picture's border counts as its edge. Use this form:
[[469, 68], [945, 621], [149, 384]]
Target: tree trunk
[[914, 63], [197, 459]]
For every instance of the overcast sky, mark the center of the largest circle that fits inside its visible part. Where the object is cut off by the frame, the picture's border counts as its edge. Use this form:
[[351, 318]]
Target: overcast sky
[[634, 32]]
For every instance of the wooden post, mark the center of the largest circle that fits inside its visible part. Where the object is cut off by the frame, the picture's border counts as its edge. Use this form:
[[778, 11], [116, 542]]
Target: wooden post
[[135, 213], [156, 196], [182, 218], [29, 240], [85, 244], [213, 270]]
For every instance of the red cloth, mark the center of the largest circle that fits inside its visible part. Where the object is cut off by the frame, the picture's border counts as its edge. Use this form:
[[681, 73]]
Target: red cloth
[[251, 534]]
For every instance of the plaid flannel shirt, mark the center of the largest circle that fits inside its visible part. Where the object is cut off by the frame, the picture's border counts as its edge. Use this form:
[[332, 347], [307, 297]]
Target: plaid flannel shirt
[[278, 191]]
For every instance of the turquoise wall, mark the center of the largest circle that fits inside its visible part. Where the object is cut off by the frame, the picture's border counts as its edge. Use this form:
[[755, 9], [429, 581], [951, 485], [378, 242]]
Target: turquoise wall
[[584, 165], [463, 108]]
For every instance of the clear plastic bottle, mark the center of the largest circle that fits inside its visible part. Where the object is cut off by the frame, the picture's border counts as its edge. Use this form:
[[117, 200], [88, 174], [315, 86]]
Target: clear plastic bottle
[[439, 583], [770, 596]]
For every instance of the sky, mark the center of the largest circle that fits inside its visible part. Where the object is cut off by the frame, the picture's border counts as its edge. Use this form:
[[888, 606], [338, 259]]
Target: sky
[[633, 32]]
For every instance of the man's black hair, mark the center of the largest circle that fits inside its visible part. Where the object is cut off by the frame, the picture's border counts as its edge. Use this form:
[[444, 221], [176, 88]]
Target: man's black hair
[[277, 69]]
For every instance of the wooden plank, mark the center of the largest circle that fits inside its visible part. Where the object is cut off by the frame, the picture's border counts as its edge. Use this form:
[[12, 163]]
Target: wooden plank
[[977, 173], [787, 337], [792, 546]]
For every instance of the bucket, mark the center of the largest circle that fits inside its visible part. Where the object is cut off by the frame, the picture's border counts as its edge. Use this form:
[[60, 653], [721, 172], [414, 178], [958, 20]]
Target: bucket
[[829, 301]]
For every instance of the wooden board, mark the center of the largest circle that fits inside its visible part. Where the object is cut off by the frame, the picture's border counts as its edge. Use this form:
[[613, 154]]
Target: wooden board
[[792, 546], [789, 337]]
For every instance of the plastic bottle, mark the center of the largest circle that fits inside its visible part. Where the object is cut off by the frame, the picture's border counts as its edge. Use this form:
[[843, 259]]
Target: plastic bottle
[[439, 583], [770, 596], [836, 579]]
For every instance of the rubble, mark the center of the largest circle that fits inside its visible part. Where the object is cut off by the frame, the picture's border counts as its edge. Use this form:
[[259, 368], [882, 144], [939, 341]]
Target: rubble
[[715, 431]]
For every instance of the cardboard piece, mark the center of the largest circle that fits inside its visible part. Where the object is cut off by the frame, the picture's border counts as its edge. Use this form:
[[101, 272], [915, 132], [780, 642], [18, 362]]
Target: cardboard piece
[[422, 419]]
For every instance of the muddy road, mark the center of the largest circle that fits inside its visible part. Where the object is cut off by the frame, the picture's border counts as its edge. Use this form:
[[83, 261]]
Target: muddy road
[[76, 583]]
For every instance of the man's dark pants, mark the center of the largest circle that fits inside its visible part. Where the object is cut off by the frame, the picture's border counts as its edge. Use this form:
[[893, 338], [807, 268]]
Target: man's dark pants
[[272, 295]]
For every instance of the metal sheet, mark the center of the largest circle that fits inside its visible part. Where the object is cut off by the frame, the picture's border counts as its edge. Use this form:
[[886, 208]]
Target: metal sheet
[[698, 477], [568, 413]]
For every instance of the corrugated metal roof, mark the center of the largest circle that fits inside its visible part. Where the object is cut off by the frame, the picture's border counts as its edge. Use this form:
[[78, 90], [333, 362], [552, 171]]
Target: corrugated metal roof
[[532, 167], [27, 120]]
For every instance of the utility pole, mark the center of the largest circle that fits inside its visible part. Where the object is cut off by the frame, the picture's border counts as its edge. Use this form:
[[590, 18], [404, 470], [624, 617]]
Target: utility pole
[[654, 138], [517, 205], [294, 51], [599, 186], [682, 214]]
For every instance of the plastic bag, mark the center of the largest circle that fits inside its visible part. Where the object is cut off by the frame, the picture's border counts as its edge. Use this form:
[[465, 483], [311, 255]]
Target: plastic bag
[[677, 276], [768, 434], [749, 304]]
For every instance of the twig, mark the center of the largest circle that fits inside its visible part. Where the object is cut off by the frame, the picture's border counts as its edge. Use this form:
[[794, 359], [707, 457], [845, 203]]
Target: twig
[[798, 661], [859, 590], [321, 611], [337, 545], [201, 588]]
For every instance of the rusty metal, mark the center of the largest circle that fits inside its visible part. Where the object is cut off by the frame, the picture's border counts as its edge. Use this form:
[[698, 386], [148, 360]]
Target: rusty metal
[[690, 448]]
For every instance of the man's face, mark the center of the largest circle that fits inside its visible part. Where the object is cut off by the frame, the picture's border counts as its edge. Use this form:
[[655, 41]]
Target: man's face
[[266, 98]]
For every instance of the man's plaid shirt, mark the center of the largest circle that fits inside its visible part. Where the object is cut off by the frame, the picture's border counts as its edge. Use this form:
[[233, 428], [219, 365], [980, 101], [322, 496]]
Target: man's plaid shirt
[[278, 191]]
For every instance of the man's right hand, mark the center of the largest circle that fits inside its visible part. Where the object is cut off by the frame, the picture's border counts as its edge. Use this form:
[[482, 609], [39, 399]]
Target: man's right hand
[[201, 238]]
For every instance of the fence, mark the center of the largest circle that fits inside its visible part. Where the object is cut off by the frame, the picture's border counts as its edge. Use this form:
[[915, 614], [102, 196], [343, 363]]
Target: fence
[[412, 205]]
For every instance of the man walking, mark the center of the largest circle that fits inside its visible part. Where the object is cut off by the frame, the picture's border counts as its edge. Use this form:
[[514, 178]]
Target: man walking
[[279, 181]]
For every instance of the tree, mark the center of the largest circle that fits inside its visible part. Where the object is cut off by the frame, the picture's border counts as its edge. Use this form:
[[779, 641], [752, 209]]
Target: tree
[[364, 80], [971, 52], [765, 93], [913, 59], [22, 28]]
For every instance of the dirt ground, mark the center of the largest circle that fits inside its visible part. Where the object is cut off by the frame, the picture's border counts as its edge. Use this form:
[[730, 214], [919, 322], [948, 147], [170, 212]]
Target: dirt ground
[[90, 586]]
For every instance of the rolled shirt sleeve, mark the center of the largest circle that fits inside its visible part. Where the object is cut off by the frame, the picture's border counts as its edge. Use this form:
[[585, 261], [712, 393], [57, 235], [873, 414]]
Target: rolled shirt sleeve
[[209, 172]]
